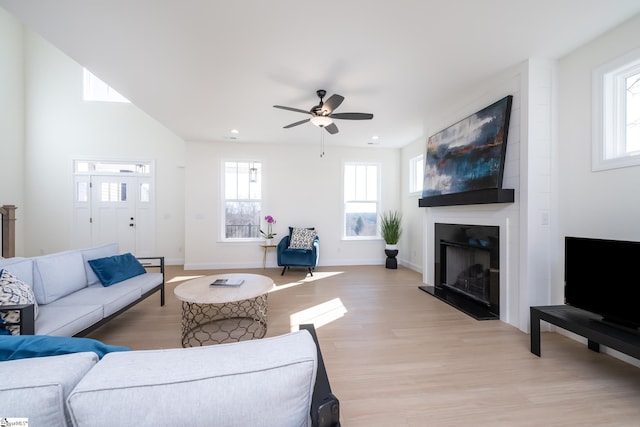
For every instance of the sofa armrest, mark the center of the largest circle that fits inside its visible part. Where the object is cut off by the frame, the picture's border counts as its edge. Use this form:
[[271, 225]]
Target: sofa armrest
[[27, 322], [325, 406], [154, 262]]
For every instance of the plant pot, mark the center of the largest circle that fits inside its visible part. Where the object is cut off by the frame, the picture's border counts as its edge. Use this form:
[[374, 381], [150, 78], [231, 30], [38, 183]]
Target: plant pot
[[392, 262]]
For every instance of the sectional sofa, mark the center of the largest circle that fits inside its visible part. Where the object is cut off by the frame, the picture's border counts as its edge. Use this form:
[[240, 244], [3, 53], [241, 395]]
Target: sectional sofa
[[70, 298], [278, 381]]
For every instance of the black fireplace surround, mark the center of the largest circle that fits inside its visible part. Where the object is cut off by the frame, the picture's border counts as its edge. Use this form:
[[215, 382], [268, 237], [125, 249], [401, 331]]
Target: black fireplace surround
[[467, 269]]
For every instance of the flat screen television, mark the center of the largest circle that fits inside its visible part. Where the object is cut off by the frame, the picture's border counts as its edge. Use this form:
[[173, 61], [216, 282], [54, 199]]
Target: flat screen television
[[603, 276]]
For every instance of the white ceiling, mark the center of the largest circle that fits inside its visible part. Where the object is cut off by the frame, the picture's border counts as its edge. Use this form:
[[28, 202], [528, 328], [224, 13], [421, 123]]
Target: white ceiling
[[204, 67]]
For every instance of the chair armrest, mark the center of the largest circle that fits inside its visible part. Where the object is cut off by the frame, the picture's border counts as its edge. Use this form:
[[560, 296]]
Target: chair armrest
[[325, 407], [27, 322]]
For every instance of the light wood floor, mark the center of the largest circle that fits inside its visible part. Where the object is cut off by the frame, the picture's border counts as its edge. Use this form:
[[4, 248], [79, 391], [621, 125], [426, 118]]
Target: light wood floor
[[396, 356]]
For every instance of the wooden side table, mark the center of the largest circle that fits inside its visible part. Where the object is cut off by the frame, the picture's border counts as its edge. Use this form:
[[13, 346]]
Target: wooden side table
[[264, 255]]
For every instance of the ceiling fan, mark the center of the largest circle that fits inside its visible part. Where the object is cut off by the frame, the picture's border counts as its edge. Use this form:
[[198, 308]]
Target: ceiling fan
[[322, 115]]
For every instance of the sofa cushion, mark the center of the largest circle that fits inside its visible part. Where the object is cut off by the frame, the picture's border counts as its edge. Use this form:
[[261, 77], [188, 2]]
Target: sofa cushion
[[103, 251], [28, 346], [144, 282], [22, 268], [67, 320], [238, 384], [58, 275], [302, 238], [37, 389], [13, 291], [115, 269], [111, 299]]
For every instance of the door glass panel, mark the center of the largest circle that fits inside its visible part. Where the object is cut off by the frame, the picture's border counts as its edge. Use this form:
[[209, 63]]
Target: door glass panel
[[82, 192], [113, 192], [144, 192]]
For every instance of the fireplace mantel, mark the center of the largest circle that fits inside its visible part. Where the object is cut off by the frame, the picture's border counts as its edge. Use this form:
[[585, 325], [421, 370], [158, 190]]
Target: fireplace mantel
[[477, 197]]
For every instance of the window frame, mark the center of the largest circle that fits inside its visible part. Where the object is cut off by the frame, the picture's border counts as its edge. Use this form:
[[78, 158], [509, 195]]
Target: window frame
[[377, 201], [416, 175], [609, 113], [223, 192], [95, 90]]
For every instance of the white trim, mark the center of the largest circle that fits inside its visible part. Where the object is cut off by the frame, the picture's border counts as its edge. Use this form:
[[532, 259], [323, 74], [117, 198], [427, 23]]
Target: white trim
[[607, 107]]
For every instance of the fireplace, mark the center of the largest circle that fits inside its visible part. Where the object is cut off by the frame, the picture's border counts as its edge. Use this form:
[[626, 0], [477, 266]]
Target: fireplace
[[467, 268]]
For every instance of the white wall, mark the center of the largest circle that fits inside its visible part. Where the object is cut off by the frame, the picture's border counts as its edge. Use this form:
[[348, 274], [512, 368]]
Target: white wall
[[411, 243], [524, 224], [59, 126], [299, 189], [604, 204], [12, 120]]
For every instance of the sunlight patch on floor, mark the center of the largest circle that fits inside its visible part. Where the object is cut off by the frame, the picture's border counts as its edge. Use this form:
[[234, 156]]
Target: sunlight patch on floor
[[309, 278], [319, 315], [183, 278]]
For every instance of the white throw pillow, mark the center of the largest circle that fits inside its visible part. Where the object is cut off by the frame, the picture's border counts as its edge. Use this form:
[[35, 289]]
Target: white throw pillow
[[302, 238]]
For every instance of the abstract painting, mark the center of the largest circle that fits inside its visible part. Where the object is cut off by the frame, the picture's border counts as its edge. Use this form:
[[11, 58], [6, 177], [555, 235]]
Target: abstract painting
[[469, 155]]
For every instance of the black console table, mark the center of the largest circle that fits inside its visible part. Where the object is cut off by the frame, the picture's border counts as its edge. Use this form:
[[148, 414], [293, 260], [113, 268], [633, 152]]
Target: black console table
[[586, 324]]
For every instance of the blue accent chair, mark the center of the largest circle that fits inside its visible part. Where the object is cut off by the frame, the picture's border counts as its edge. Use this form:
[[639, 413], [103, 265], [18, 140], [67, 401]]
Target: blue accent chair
[[297, 257]]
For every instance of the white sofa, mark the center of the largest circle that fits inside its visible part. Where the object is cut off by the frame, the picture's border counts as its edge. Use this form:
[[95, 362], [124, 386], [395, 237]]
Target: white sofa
[[71, 300], [267, 382]]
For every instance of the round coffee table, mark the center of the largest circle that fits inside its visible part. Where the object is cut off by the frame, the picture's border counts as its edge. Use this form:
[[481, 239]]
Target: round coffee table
[[217, 314]]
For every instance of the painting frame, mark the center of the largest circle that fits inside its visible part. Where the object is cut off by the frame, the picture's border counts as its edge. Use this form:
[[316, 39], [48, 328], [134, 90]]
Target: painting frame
[[470, 154]]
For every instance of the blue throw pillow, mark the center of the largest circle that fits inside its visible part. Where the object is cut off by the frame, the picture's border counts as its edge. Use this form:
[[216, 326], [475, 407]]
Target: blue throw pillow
[[27, 346], [115, 269]]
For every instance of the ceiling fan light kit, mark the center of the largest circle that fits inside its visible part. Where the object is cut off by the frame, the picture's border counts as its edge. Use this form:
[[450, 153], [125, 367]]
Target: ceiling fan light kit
[[321, 121]]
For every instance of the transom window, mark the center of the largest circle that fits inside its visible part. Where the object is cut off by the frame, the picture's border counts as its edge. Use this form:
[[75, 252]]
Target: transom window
[[616, 113], [108, 167], [361, 194], [97, 90], [242, 200]]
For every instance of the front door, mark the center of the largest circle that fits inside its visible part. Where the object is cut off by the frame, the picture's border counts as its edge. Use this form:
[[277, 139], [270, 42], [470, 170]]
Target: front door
[[114, 208]]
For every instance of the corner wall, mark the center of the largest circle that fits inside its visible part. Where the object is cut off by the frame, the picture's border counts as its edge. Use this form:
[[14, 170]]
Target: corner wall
[[12, 120], [59, 125]]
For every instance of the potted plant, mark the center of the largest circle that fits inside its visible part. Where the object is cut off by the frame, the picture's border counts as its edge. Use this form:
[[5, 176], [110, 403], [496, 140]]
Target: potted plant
[[391, 230], [269, 234]]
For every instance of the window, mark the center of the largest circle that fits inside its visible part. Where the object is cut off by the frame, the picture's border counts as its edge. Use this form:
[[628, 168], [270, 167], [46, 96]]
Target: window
[[616, 113], [99, 167], [97, 90], [360, 200], [416, 174], [242, 199]]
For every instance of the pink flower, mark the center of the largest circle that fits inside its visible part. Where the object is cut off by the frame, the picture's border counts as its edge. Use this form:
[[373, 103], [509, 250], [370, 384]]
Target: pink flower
[[269, 234]]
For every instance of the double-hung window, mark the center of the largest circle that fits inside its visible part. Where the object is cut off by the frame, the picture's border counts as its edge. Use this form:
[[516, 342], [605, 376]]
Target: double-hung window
[[361, 194], [242, 200], [616, 113]]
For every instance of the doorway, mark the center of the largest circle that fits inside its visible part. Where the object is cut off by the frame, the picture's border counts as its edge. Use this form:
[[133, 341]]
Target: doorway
[[113, 202]]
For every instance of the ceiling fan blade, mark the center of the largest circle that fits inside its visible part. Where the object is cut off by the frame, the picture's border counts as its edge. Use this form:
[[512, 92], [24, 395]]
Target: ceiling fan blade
[[296, 123], [352, 116], [332, 103], [297, 110], [332, 128]]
